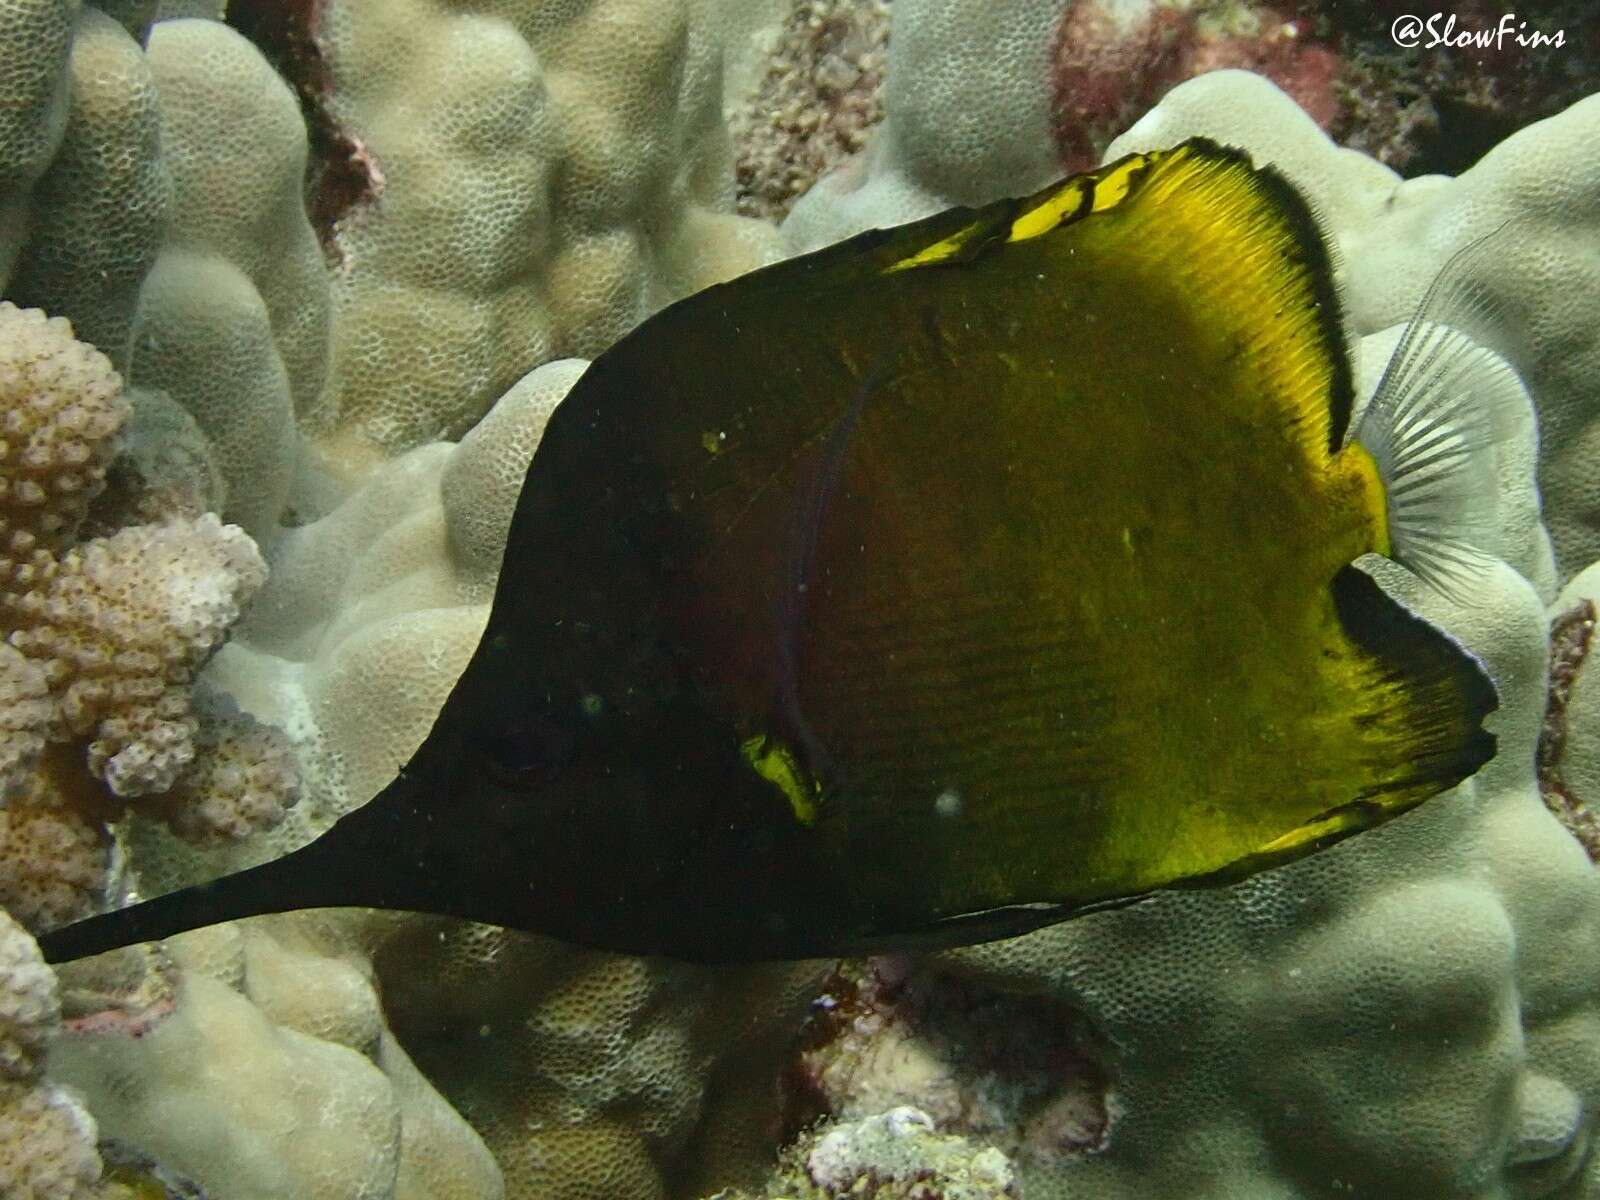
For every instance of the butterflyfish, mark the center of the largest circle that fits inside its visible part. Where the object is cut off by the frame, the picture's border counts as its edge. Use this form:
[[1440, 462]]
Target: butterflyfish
[[944, 583]]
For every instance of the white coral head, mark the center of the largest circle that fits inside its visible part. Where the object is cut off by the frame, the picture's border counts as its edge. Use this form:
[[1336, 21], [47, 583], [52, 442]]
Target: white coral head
[[30, 1004]]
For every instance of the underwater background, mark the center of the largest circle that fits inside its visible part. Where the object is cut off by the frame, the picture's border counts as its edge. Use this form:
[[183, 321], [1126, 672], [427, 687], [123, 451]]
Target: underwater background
[[294, 288]]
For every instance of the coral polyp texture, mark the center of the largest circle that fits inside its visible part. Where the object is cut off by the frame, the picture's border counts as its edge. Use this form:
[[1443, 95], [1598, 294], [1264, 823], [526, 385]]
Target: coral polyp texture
[[120, 626], [24, 717], [61, 407], [261, 1067], [550, 174], [816, 103], [894, 1155], [85, 192]]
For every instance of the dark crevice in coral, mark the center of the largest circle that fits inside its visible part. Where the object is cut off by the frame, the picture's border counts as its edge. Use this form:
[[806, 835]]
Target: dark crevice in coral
[[1027, 1074], [1416, 109], [1438, 110], [340, 173], [1571, 635]]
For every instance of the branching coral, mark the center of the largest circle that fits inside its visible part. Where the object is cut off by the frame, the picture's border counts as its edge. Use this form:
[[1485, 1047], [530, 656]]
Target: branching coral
[[104, 638], [54, 846], [120, 625], [24, 718], [47, 1139], [61, 405]]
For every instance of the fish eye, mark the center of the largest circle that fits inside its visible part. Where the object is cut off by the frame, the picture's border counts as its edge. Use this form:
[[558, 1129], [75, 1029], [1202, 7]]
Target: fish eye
[[530, 748]]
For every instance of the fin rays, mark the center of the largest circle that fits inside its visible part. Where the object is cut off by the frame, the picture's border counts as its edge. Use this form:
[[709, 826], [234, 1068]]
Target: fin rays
[[1431, 420]]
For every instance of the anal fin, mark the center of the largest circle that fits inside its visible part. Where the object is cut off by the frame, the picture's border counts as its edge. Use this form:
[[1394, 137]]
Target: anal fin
[[1423, 729]]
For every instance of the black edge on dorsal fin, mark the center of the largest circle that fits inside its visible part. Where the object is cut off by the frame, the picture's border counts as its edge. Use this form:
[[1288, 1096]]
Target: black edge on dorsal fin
[[1305, 245], [1319, 261]]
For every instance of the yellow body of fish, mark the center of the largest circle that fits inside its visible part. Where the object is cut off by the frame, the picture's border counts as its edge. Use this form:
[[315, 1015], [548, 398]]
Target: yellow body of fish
[[1069, 630]]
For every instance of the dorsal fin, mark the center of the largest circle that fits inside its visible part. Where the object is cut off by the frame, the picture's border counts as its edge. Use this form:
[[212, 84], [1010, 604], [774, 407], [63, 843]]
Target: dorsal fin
[[1239, 230]]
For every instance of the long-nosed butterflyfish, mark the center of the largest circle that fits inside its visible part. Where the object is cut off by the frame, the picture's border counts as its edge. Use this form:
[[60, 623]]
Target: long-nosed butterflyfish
[[946, 582]]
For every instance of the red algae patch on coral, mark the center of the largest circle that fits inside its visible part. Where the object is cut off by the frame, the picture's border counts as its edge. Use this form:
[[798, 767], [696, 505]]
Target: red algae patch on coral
[[344, 177], [1429, 103], [1110, 63]]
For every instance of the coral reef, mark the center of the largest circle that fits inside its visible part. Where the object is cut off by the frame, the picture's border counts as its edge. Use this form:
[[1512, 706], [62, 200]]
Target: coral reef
[[62, 407], [550, 175], [1026, 1075], [54, 845], [24, 717], [85, 193], [233, 319], [1112, 61], [491, 187], [119, 626], [1437, 99], [261, 1068]]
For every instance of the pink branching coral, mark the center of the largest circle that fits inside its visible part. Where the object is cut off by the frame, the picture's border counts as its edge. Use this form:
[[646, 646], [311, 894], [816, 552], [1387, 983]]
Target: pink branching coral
[[103, 639]]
